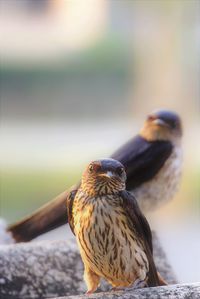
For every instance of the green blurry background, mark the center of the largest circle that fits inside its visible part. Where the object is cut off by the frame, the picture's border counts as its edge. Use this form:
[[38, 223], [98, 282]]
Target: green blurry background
[[77, 80]]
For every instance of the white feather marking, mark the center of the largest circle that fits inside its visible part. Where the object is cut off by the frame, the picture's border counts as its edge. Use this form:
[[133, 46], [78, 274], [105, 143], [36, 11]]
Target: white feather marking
[[163, 186]]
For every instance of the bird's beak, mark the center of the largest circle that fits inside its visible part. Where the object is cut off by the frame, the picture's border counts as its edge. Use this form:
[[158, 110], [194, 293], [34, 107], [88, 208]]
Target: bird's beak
[[159, 122], [108, 174]]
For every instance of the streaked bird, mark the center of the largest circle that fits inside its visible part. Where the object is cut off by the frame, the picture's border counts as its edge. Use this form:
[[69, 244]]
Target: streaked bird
[[113, 236], [153, 163]]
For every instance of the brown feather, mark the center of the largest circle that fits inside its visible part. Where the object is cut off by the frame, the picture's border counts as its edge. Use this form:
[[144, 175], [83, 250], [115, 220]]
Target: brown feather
[[140, 224]]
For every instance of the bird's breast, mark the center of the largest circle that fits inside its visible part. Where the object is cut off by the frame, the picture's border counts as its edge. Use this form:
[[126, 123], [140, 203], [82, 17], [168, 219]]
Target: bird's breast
[[162, 188], [107, 244]]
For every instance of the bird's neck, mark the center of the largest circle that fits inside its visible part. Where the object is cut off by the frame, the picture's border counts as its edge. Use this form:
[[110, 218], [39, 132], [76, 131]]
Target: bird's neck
[[162, 134], [93, 192], [97, 188]]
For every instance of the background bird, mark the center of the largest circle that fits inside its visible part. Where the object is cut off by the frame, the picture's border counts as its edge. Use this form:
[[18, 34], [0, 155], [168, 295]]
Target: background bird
[[153, 160], [113, 236], [153, 163]]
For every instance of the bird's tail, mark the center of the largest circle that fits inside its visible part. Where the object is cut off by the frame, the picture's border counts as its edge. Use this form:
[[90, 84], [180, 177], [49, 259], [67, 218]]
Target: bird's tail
[[154, 277], [49, 216], [161, 280]]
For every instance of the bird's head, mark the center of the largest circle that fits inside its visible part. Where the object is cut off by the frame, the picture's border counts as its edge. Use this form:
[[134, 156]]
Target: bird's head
[[162, 125], [103, 177]]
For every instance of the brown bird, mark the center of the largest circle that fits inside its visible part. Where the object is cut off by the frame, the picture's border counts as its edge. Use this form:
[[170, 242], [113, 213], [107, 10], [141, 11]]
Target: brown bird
[[113, 236], [153, 163]]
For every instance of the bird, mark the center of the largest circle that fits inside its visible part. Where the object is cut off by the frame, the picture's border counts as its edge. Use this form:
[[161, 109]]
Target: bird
[[113, 236], [153, 164], [153, 160]]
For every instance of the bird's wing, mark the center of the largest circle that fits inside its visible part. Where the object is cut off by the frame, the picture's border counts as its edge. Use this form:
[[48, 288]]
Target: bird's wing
[[142, 159], [140, 226], [138, 220], [70, 200]]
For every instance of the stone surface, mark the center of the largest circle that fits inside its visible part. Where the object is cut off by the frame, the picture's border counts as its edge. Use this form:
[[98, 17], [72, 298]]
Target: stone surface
[[179, 291], [49, 269]]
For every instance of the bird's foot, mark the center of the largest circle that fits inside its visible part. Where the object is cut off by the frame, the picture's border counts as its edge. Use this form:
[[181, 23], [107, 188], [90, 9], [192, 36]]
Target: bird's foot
[[136, 285], [91, 291]]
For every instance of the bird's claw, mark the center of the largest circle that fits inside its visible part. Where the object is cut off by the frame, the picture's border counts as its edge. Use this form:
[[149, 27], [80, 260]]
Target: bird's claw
[[136, 285]]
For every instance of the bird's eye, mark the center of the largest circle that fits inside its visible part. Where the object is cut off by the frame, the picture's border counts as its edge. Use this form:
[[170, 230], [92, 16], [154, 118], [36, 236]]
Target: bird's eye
[[120, 170], [151, 118], [174, 125], [91, 168]]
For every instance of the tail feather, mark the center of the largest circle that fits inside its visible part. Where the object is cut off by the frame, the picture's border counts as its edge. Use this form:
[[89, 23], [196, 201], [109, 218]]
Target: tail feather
[[154, 277], [162, 282], [49, 216]]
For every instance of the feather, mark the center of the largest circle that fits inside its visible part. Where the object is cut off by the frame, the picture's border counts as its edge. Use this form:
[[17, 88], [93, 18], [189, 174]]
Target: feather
[[143, 231], [142, 159], [69, 202]]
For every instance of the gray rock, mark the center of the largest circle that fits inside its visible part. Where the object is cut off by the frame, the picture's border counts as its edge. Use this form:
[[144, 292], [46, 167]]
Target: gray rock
[[48, 269], [179, 291]]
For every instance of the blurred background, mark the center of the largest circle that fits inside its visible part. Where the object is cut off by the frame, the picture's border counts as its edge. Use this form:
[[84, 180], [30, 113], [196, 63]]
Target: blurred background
[[77, 80]]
